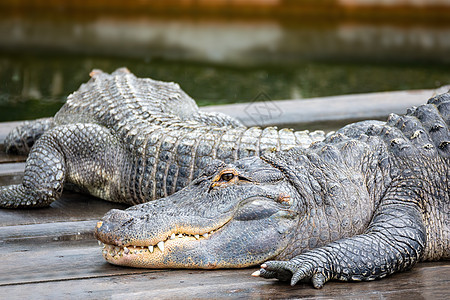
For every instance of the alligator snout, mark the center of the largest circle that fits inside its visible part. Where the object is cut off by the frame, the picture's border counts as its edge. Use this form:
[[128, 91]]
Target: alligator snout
[[111, 224]]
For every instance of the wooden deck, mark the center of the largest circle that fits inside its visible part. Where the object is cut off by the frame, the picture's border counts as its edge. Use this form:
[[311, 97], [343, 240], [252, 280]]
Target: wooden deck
[[51, 253]]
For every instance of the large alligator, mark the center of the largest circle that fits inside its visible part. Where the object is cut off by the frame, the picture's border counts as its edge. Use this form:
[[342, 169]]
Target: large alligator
[[370, 200], [132, 140]]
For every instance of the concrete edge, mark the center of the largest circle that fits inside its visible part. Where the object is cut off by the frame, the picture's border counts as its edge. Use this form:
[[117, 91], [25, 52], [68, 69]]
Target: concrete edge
[[323, 109]]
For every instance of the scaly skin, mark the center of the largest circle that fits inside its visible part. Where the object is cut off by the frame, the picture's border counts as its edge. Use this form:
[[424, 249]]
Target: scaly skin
[[114, 100], [130, 140], [366, 202]]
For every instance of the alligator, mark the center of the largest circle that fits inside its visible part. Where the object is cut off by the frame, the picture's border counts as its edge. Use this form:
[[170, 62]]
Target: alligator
[[130, 140], [370, 200]]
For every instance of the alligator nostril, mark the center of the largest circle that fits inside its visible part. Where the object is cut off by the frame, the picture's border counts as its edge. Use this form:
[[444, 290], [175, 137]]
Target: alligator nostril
[[117, 216]]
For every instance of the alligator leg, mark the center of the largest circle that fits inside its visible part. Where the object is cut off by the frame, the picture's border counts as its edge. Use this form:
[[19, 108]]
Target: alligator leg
[[67, 153], [394, 241], [22, 138], [43, 179]]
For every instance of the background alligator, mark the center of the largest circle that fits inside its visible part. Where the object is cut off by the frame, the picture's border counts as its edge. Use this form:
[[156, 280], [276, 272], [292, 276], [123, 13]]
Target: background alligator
[[131, 140], [368, 201]]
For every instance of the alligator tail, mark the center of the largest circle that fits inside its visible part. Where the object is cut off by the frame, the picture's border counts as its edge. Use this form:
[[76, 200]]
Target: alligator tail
[[22, 138]]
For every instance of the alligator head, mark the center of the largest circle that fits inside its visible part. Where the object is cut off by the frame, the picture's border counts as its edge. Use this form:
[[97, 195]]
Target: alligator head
[[271, 207], [231, 216]]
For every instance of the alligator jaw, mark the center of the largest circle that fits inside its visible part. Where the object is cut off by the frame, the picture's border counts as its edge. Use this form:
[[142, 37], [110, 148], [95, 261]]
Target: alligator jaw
[[161, 254], [155, 251], [150, 256]]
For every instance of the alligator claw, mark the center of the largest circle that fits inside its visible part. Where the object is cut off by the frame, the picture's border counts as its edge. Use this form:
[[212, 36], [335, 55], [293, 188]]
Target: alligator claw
[[318, 280], [293, 272], [276, 269]]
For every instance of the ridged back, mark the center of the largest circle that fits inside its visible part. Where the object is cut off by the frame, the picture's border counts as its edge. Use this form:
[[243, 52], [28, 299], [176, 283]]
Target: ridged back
[[120, 101], [163, 160]]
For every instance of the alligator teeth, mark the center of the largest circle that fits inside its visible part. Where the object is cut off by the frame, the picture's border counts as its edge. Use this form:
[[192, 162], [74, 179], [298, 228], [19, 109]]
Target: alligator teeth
[[99, 243], [116, 252], [161, 246]]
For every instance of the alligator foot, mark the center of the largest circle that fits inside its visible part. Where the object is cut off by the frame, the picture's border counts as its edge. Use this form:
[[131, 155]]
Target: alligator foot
[[18, 196], [285, 271], [300, 268]]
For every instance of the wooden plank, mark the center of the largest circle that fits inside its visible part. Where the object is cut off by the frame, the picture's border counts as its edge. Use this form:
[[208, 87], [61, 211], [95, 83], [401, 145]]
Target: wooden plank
[[56, 261], [7, 158], [47, 232], [11, 173], [79, 272], [71, 207], [9, 179], [11, 168]]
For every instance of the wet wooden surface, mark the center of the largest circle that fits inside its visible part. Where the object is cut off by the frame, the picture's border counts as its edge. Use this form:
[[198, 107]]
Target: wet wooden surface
[[51, 253]]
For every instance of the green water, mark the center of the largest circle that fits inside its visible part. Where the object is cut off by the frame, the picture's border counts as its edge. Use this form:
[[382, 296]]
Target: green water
[[33, 86]]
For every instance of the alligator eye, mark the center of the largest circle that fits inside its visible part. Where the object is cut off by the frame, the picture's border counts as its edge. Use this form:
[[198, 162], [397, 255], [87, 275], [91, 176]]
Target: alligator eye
[[227, 176]]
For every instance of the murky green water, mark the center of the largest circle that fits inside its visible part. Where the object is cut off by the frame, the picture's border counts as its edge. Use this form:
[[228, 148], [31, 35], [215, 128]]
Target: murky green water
[[36, 86], [45, 57]]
